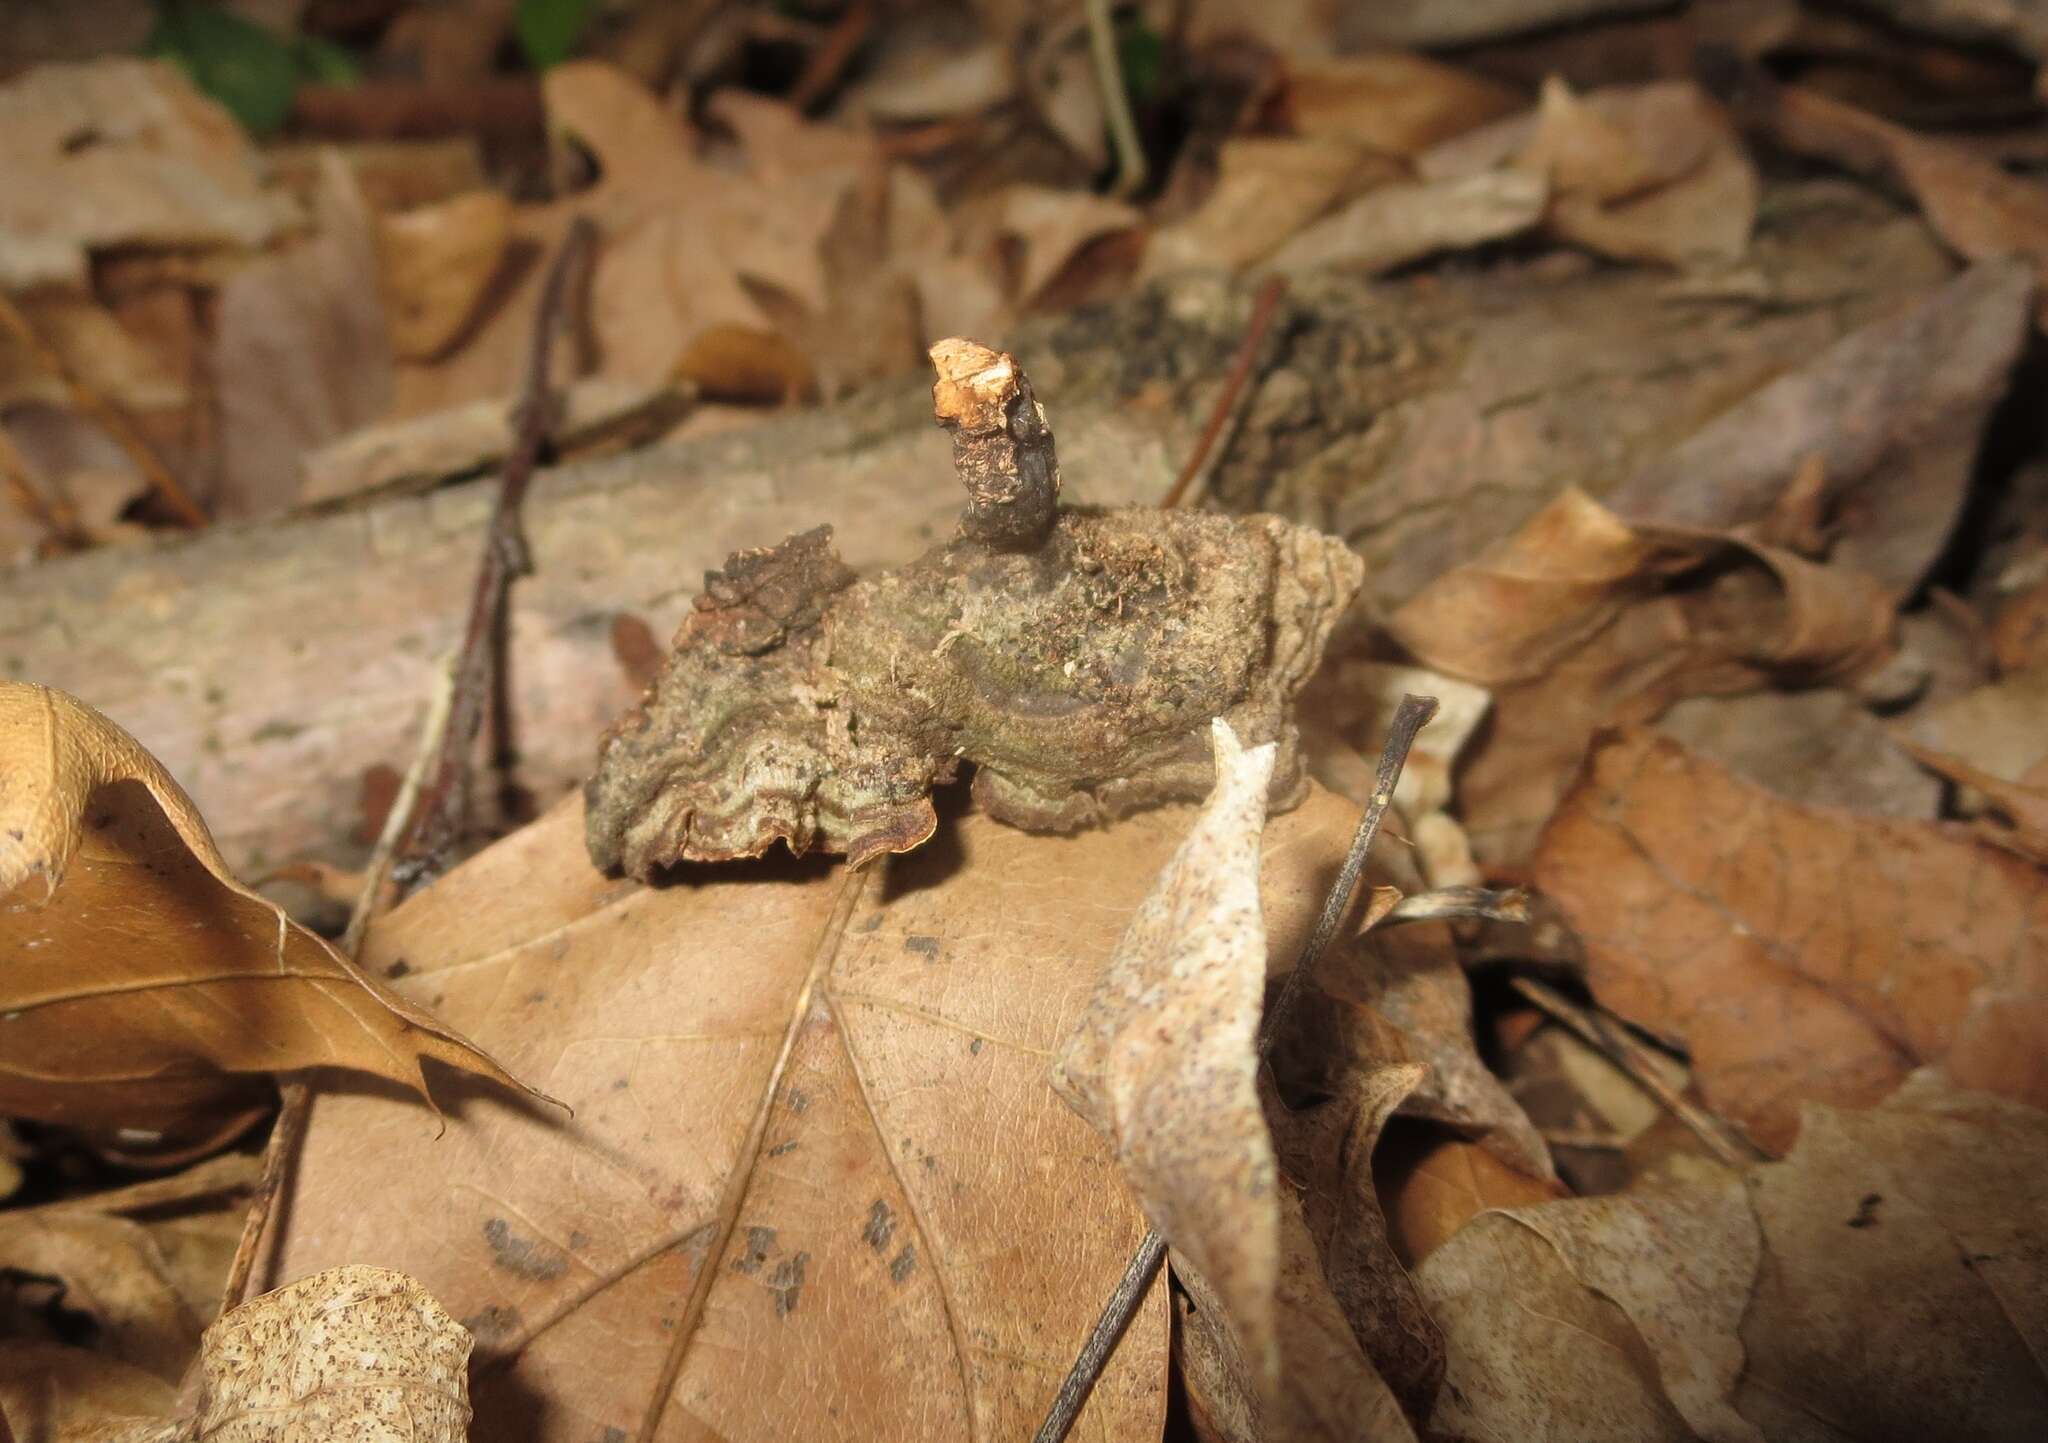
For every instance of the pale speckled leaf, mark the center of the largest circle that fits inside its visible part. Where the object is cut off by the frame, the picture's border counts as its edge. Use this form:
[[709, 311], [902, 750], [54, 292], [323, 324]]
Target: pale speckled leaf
[[1165, 1061]]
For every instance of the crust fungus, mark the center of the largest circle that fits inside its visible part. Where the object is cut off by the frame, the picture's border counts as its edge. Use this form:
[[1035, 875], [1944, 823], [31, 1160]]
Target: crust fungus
[[1075, 656]]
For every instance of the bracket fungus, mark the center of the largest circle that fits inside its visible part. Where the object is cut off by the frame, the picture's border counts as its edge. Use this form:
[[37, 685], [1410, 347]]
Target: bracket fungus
[[1075, 656]]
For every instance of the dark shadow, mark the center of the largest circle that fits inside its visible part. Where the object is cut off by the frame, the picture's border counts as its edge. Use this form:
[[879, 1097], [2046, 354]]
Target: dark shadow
[[937, 860], [508, 1408]]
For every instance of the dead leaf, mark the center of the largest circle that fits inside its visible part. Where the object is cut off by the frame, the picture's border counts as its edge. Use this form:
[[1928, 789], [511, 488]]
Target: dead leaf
[[1398, 995], [120, 152], [1040, 232], [1601, 1318], [424, 450], [1579, 621], [1326, 1153], [902, 1164], [435, 264], [1796, 952], [1996, 728], [147, 988], [1391, 101], [1877, 1283], [1817, 745], [301, 353], [1981, 210], [1430, 1185], [145, 1285], [1164, 1061], [1394, 224], [1267, 189], [2023, 807], [95, 347], [1894, 411], [68, 1395], [1652, 172], [354, 1352]]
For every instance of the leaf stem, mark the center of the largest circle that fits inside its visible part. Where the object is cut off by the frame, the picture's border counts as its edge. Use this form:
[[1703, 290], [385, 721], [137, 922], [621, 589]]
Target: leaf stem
[[1409, 718]]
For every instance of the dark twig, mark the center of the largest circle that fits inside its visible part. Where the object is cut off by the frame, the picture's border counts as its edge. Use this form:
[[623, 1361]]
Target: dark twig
[[424, 819], [1409, 718], [834, 53], [438, 825], [1234, 398]]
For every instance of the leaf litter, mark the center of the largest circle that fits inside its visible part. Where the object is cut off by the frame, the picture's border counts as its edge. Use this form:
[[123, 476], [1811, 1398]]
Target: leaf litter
[[1778, 507]]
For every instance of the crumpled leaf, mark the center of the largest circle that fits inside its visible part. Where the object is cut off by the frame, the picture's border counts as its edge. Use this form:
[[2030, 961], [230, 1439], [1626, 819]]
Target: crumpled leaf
[[142, 1266], [301, 352], [1651, 172], [435, 262], [814, 1156], [120, 152], [1267, 188], [1594, 1319], [68, 1395], [1996, 728], [1580, 620], [1980, 209], [1430, 1185], [1164, 1062], [1391, 225], [143, 987], [1797, 953], [1390, 101], [1891, 415], [1880, 1282], [1292, 1330]]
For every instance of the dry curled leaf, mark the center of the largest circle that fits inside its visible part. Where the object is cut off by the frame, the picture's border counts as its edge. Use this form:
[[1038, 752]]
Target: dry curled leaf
[[1797, 952], [1292, 1322], [814, 1161], [1164, 1062], [435, 262], [121, 152], [1581, 620], [141, 1267], [1880, 1282], [1389, 101], [144, 988], [1075, 657]]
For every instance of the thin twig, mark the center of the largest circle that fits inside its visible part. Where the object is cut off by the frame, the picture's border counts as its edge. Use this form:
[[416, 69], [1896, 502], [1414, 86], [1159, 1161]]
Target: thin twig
[[829, 61], [296, 1105], [1116, 101], [438, 825], [1598, 1031], [458, 701], [37, 507], [1409, 718], [1234, 399], [174, 496]]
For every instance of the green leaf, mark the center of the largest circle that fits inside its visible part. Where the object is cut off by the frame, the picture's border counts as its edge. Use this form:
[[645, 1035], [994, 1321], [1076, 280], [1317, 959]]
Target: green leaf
[[1141, 55], [549, 29], [324, 63], [240, 64]]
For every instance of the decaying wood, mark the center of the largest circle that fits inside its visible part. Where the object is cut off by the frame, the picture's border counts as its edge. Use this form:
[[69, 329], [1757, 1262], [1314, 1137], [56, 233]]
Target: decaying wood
[[269, 666]]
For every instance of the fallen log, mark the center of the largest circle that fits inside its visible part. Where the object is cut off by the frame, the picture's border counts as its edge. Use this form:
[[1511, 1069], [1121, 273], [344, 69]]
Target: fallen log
[[270, 666]]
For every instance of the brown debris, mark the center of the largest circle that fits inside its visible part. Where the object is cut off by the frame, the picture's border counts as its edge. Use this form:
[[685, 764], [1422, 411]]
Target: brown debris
[[1079, 673], [1002, 446]]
